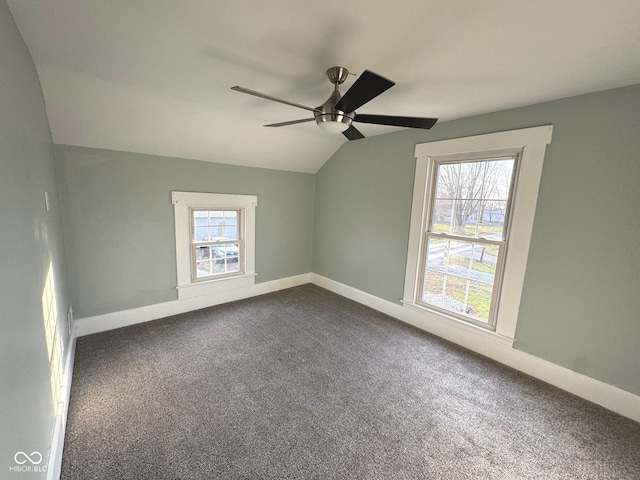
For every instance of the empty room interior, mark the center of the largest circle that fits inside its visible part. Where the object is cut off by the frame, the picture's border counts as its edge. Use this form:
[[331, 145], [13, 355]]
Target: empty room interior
[[368, 240]]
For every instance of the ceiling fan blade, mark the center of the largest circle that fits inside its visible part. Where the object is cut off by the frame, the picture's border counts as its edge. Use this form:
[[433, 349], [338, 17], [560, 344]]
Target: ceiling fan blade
[[291, 122], [412, 122], [352, 133], [274, 99], [368, 86]]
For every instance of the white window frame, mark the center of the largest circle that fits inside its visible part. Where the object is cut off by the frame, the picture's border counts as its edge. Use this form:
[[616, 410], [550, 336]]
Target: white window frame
[[184, 203], [239, 240], [436, 162], [532, 142]]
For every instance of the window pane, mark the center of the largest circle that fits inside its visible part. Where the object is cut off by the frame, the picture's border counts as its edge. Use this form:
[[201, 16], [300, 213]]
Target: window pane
[[228, 228], [435, 286], [479, 299], [471, 197], [215, 225], [217, 259], [459, 276]]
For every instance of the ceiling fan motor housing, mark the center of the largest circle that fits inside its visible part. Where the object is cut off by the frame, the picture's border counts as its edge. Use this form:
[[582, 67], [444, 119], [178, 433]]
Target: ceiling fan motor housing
[[327, 116], [337, 74]]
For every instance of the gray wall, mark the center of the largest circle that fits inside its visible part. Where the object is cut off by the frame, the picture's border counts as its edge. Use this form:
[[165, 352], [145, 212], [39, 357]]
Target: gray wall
[[31, 240], [119, 230], [580, 306]]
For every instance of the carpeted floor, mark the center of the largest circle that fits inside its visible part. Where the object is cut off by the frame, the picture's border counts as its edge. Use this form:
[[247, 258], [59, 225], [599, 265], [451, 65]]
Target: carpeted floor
[[303, 384]]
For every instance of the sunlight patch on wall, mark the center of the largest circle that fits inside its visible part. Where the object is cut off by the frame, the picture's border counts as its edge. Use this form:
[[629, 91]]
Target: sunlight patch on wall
[[54, 339]]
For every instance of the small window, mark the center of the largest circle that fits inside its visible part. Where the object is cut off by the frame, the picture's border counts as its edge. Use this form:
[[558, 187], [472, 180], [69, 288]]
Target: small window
[[215, 242]]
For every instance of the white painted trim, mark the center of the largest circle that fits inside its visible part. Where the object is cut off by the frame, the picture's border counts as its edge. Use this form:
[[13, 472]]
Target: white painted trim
[[54, 465], [182, 202], [215, 286], [520, 230], [439, 320], [608, 396], [124, 318], [489, 141], [216, 199], [418, 225]]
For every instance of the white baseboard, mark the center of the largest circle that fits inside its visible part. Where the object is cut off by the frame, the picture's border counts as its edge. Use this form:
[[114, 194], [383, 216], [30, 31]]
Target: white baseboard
[[124, 318], [603, 394], [54, 466]]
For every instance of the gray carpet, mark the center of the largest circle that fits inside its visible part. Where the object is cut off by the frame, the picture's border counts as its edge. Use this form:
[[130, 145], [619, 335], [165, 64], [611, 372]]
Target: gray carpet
[[306, 384]]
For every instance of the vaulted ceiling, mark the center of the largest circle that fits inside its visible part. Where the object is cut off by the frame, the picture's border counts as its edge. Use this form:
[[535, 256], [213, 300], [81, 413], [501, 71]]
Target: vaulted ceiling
[[154, 76]]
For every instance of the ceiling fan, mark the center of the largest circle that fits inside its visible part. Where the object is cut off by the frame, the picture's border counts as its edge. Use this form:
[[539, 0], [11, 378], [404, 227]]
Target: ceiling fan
[[337, 114]]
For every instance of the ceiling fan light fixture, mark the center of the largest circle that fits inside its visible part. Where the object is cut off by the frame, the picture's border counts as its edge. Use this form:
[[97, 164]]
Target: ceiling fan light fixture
[[333, 122], [333, 127]]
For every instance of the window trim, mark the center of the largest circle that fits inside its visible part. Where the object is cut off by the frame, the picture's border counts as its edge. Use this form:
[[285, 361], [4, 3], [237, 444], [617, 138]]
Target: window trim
[[183, 203], [532, 142]]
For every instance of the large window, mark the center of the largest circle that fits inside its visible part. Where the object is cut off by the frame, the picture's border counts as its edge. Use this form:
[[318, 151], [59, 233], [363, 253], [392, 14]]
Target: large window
[[474, 201], [467, 235], [215, 242]]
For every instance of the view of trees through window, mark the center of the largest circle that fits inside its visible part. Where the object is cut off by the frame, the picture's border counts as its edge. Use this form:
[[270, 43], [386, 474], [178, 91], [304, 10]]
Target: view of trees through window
[[466, 235]]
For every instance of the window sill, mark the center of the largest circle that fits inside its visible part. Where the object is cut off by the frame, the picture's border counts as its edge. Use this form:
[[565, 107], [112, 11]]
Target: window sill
[[440, 319], [214, 286]]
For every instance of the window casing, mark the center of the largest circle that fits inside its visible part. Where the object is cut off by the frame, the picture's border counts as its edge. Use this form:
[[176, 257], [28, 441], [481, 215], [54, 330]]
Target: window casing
[[215, 242], [527, 148]]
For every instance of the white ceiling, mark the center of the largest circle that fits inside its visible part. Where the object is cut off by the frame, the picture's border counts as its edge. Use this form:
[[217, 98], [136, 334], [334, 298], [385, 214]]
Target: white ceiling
[[154, 76]]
